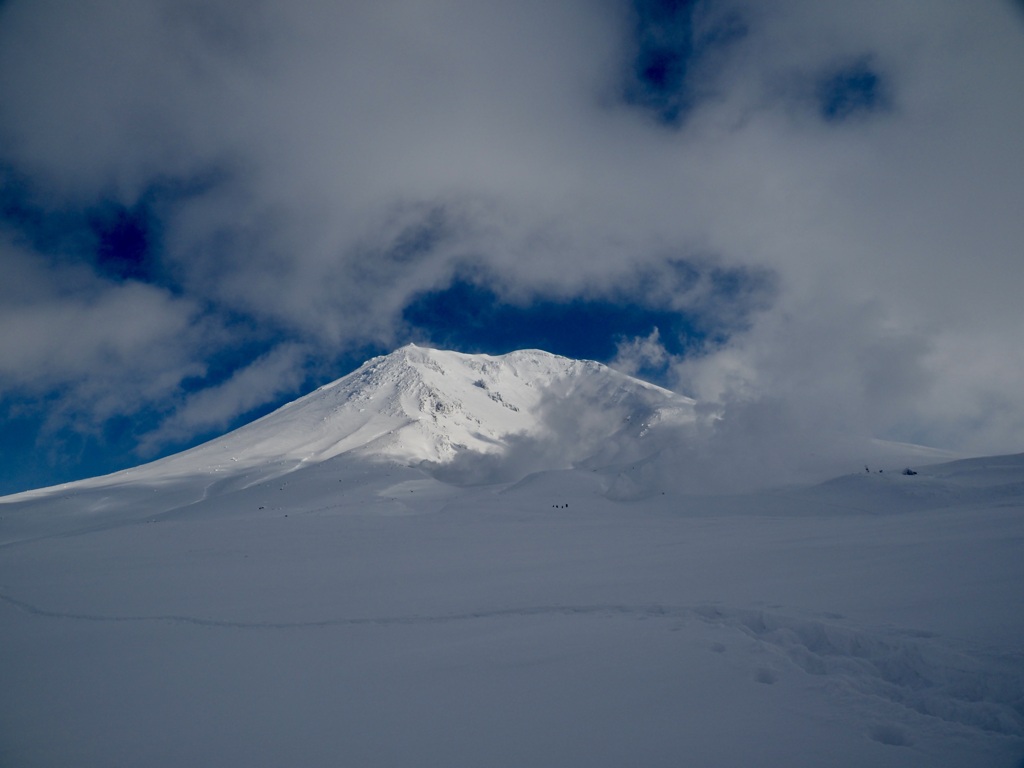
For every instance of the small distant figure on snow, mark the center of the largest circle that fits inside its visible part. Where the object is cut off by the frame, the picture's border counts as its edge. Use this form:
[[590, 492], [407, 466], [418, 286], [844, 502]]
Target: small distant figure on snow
[[909, 471]]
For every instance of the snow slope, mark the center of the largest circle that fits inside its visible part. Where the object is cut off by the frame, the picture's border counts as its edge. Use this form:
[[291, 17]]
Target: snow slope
[[340, 603]]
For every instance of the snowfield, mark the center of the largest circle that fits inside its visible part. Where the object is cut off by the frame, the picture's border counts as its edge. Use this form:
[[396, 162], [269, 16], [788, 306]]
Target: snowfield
[[407, 568]]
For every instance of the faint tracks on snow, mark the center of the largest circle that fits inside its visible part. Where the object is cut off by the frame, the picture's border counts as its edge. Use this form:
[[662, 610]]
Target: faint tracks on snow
[[915, 671], [413, 619]]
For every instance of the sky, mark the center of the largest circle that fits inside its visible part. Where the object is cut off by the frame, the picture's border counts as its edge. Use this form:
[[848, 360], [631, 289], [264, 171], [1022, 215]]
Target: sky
[[808, 216]]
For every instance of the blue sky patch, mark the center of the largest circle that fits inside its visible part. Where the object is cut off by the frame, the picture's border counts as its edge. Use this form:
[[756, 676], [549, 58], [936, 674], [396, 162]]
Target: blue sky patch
[[852, 90], [670, 39], [37, 456], [127, 242], [122, 242], [473, 318]]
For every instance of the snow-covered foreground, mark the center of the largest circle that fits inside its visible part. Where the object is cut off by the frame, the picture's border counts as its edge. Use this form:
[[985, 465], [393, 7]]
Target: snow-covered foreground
[[354, 613]]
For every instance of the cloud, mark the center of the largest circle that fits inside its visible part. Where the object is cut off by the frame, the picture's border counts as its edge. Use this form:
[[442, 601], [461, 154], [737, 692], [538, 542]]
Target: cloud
[[587, 422], [109, 348], [639, 353], [341, 159], [279, 371]]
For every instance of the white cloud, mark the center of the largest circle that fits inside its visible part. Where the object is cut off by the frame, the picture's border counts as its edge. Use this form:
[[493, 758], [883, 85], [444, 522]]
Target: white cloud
[[278, 372], [631, 355], [367, 151], [109, 348]]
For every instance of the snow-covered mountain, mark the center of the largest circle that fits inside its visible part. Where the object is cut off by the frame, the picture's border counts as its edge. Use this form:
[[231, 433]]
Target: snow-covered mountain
[[419, 404], [430, 407]]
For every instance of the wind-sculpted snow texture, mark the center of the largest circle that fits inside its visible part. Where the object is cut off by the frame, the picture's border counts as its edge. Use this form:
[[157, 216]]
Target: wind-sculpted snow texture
[[342, 583]]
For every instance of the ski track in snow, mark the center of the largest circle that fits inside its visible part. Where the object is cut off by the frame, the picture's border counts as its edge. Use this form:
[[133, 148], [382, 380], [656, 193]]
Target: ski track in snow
[[915, 671]]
